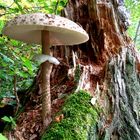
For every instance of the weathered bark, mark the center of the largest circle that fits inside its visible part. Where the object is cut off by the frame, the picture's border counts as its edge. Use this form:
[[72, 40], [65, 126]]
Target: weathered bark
[[124, 90]]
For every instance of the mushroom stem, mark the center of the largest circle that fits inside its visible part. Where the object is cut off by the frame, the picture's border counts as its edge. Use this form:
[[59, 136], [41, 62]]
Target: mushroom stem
[[46, 69]]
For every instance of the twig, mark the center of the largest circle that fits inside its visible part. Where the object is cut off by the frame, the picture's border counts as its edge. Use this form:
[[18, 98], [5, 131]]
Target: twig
[[56, 6], [15, 92], [137, 30]]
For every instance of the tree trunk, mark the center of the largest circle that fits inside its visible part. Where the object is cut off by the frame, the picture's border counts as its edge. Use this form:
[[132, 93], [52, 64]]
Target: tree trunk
[[123, 97], [109, 67]]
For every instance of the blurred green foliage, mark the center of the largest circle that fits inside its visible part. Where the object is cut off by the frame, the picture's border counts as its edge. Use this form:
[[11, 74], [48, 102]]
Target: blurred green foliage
[[15, 56], [134, 7], [2, 137]]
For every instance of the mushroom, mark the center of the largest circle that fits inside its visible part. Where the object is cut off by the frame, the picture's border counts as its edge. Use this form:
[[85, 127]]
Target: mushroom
[[40, 58], [47, 30]]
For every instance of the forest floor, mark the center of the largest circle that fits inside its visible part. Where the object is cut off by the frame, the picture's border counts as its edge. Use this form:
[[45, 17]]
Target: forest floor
[[29, 124]]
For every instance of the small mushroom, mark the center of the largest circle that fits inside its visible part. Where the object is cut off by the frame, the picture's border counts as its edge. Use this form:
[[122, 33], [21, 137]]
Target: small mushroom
[[41, 58], [93, 100], [47, 30]]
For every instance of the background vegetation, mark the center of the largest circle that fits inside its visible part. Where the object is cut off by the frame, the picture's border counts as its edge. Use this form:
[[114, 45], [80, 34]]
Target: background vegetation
[[17, 67], [133, 7]]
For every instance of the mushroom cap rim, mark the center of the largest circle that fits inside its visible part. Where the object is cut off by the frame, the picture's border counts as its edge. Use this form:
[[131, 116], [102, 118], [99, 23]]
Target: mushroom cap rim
[[31, 33]]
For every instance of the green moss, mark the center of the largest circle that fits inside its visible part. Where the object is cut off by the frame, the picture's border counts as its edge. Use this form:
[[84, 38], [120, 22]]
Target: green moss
[[79, 117], [77, 74]]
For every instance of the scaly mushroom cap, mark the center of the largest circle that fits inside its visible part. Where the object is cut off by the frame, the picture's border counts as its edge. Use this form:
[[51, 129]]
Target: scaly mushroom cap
[[62, 31]]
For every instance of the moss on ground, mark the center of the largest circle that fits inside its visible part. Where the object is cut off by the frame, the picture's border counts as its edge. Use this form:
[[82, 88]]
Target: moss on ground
[[79, 117]]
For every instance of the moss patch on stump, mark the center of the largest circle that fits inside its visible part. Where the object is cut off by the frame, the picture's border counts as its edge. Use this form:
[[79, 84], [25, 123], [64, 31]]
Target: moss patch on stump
[[79, 118]]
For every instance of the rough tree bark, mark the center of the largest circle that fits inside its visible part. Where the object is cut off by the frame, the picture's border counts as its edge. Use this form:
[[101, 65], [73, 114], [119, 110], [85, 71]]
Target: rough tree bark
[[109, 62]]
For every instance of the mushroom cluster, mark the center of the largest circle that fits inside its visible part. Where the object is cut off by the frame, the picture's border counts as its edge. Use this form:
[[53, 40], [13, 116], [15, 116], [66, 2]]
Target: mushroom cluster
[[47, 30]]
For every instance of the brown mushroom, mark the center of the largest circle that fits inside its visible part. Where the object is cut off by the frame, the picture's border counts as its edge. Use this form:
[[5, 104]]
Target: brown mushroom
[[47, 30]]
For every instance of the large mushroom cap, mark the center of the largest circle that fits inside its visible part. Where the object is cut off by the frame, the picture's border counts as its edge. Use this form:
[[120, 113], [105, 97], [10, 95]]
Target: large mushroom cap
[[62, 31]]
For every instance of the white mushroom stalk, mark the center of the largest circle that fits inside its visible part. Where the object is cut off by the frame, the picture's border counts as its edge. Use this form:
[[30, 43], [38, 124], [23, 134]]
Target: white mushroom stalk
[[46, 30]]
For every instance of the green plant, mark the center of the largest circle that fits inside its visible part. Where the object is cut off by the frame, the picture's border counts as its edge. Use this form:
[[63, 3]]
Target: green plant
[[133, 6], [14, 65], [2, 137], [10, 120]]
